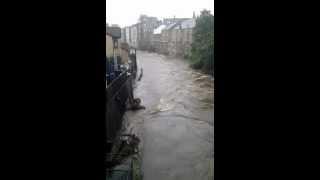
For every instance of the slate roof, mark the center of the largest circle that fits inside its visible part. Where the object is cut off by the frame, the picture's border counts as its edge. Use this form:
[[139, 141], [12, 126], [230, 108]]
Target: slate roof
[[159, 29], [186, 24], [171, 26]]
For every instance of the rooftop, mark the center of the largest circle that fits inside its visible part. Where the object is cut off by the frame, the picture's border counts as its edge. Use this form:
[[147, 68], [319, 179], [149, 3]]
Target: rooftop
[[114, 32], [171, 26], [189, 23], [159, 29]]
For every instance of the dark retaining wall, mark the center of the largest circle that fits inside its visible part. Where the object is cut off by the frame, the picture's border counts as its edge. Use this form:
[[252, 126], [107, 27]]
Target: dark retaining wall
[[117, 97]]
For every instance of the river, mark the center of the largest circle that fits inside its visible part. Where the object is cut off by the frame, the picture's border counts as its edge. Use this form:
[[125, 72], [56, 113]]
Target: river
[[176, 128]]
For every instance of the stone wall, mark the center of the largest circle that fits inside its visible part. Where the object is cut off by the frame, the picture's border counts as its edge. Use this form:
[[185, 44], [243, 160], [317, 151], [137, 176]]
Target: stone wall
[[109, 46]]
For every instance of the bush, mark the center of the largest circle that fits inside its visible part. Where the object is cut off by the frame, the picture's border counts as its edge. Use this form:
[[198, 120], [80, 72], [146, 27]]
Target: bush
[[197, 65]]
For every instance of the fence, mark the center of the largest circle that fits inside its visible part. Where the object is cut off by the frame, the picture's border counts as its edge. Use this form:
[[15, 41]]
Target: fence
[[117, 96], [112, 73]]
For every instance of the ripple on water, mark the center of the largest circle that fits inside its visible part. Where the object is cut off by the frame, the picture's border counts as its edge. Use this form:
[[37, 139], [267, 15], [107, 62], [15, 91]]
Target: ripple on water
[[164, 105], [187, 96]]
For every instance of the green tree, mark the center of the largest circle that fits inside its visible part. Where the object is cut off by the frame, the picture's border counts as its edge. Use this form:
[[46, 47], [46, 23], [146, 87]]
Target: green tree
[[202, 51]]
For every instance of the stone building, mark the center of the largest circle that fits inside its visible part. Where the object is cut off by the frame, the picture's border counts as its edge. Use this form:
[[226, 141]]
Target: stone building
[[113, 34], [180, 37], [156, 38], [109, 45], [168, 21], [112, 39], [172, 37], [184, 37], [145, 29], [124, 53], [166, 36]]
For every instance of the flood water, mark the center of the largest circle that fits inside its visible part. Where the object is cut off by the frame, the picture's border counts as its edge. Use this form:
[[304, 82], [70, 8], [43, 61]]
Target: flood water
[[176, 128]]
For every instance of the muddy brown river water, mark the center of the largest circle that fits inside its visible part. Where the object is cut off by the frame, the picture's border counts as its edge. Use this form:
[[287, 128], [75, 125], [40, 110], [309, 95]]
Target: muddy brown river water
[[176, 128]]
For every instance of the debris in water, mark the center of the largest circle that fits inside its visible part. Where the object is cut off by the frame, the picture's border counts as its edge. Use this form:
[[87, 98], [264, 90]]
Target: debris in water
[[164, 106], [141, 74], [136, 105]]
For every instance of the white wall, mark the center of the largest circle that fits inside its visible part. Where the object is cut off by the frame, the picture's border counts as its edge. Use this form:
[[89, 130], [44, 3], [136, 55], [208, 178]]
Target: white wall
[[128, 35], [134, 36], [109, 46]]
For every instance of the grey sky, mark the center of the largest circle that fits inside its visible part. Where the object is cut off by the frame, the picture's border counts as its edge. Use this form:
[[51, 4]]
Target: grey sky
[[126, 12]]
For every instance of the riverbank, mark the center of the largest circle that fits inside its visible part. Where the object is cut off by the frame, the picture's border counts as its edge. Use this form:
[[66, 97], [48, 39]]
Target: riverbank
[[187, 59]]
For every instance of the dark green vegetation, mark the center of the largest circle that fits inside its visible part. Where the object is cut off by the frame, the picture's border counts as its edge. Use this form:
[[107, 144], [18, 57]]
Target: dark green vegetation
[[202, 51]]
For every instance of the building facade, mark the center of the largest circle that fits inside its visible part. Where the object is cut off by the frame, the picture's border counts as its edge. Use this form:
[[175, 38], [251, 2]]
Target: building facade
[[134, 36], [172, 36], [156, 38], [124, 53], [186, 30], [123, 35], [180, 38], [109, 45], [128, 37], [168, 39], [145, 30]]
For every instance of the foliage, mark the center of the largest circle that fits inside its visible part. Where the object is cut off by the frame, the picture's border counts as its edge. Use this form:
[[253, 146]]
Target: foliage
[[202, 51]]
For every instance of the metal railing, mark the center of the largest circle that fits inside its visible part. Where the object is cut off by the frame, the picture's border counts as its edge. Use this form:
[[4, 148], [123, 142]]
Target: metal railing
[[119, 175], [116, 106], [118, 91]]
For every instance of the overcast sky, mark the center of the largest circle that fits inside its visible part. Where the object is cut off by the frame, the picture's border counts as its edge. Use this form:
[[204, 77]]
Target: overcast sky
[[126, 12]]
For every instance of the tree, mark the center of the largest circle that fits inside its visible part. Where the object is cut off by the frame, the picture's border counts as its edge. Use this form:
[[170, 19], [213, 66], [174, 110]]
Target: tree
[[142, 17], [202, 51]]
